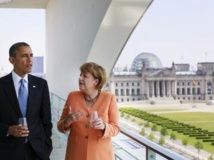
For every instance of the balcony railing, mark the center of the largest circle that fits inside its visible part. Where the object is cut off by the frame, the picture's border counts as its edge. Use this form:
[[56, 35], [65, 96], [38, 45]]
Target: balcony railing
[[128, 145]]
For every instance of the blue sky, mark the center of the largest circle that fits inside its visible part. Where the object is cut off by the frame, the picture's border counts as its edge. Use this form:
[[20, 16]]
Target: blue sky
[[180, 31]]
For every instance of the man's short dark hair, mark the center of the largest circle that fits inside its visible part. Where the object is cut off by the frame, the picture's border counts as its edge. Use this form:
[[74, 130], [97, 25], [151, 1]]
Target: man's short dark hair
[[15, 47]]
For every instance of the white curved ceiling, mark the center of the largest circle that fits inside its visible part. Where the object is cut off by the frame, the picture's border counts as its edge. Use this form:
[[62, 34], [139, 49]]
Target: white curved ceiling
[[25, 4]]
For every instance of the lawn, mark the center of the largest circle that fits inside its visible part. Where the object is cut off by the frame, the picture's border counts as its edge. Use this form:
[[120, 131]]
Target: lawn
[[202, 120]]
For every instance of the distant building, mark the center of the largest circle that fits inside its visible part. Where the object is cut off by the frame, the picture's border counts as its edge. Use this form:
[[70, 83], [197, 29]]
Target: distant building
[[148, 80], [38, 66]]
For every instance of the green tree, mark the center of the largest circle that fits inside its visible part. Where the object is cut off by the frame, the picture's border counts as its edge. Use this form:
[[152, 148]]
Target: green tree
[[147, 124], [173, 137], [127, 116], [142, 132], [154, 127], [151, 136], [211, 157], [164, 131], [133, 120], [140, 123], [198, 145], [184, 143], [161, 140]]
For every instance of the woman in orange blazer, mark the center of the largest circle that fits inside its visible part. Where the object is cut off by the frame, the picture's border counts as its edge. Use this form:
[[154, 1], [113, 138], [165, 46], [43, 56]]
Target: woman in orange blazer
[[90, 139]]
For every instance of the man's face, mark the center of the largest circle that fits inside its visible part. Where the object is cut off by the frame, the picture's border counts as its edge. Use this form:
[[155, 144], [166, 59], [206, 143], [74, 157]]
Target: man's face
[[23, 61]]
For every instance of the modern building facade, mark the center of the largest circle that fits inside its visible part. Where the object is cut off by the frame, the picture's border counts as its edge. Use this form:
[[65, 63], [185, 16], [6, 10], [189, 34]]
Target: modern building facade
[[148, 80]]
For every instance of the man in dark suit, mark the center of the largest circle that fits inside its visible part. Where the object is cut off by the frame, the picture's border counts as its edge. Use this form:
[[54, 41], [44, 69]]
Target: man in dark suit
[[20, 142]]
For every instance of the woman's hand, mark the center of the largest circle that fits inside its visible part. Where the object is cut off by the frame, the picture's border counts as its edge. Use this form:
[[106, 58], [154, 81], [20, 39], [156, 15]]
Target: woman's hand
[[98, 124], [72, 116]]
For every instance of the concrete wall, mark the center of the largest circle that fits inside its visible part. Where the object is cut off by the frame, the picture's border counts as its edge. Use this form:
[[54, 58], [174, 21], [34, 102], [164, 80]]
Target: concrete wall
[[71, 27]]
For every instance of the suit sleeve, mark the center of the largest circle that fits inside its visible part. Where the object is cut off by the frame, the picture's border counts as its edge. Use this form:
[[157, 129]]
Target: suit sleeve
[[46, 117], [112, 128], [4, 124]]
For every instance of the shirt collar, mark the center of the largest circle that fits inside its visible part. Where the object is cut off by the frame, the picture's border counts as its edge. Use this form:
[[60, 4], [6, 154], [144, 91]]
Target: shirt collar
[[16, 77]]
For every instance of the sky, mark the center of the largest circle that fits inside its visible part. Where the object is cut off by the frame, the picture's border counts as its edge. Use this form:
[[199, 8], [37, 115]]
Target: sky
[[18, 25], [179, 31]]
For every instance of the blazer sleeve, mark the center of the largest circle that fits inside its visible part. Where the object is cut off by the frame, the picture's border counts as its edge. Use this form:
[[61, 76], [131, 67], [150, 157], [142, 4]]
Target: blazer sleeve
[[60, 125], [112, 127]]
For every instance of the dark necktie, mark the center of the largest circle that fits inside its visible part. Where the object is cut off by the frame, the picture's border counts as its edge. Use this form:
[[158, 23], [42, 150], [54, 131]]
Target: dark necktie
[[22, 97]]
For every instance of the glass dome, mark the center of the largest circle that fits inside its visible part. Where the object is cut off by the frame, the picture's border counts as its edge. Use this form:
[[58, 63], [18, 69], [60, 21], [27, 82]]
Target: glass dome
[[146, 60]]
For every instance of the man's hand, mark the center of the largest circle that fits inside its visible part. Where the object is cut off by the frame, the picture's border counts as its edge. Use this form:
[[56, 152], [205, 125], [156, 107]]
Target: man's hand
[[18, 131]]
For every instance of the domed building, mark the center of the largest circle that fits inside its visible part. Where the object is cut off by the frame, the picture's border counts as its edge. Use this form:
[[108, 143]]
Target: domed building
[[146, 60], [148, 80]]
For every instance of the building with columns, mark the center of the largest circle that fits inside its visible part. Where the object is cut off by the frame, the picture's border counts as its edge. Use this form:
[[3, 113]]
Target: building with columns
[[148, 80]]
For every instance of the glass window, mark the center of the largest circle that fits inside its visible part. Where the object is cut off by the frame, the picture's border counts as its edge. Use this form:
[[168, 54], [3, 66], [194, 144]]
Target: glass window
[[178, 91], [116, 92], [193, 90], [208, 91], [183, 91], [199, 91], [121, 92], [138, 91], [127, 92], [133, 93], [188, 90]]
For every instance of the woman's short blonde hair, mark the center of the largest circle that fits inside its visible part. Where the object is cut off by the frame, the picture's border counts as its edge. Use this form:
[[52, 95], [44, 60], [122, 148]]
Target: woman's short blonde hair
[[97, 71]]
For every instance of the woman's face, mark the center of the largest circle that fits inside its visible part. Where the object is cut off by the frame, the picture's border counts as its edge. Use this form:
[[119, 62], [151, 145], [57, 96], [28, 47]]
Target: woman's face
[[87, 82]]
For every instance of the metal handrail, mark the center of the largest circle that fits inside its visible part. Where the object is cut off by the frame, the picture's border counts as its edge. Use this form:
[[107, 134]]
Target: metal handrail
[[150, 145]]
